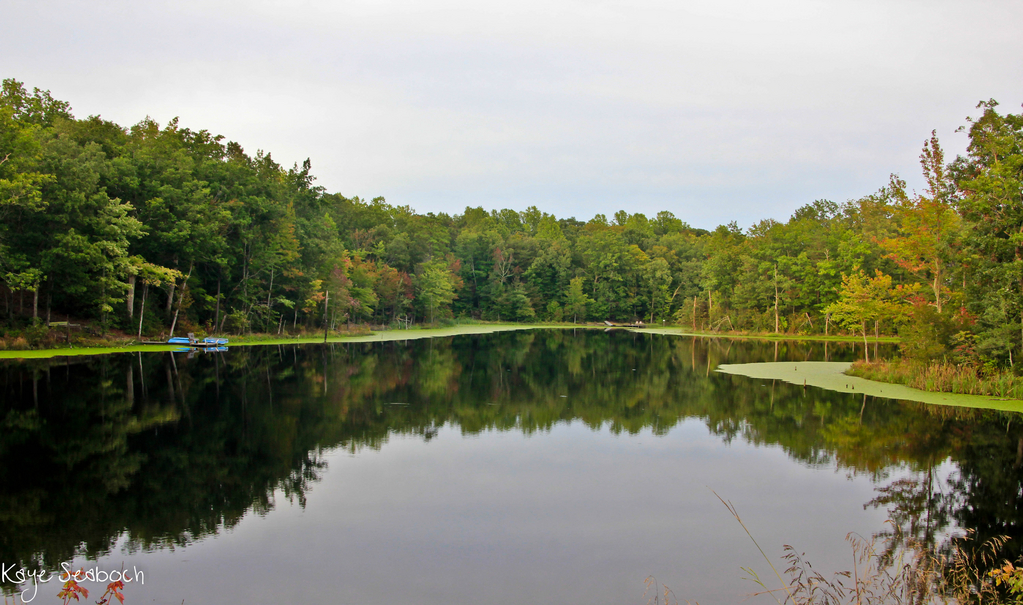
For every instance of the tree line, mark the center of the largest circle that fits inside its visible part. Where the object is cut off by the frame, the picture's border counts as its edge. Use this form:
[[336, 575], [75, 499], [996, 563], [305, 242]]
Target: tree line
[[155, 229]]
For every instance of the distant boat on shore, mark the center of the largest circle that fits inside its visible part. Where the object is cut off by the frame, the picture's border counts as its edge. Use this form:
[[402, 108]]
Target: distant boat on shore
[[191, 341]]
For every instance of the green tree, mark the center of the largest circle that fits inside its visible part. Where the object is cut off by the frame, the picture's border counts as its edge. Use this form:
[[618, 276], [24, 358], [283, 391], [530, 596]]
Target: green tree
[[550, 271], [435, 286], [610, 268], [657, 279], [866, 299], [990, 182], [576, 299], [80, 237]]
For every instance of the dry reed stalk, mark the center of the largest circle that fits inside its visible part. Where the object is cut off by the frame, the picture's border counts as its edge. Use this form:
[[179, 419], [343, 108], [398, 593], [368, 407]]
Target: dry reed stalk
[[909, 575]]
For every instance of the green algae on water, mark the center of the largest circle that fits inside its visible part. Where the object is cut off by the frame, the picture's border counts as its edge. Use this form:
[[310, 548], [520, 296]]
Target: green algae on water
[[829, 375]]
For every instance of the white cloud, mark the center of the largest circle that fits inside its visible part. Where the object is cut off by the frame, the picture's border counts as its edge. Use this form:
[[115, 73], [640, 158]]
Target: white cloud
[[724, 110]]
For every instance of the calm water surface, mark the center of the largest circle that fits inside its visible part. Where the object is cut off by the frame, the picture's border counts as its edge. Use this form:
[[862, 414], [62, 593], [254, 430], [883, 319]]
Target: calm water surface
[[518, 467]]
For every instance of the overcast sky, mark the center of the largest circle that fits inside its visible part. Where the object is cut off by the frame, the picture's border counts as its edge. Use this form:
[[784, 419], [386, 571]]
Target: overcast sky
[[715, 110]]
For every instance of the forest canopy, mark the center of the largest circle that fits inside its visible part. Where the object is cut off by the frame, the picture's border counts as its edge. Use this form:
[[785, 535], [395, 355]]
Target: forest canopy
[[152, 229]]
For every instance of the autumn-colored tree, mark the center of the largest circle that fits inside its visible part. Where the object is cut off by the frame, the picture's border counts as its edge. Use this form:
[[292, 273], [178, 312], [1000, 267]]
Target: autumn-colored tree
[[928, 225]]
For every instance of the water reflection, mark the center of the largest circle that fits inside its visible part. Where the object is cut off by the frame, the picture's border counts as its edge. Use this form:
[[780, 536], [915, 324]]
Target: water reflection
[[159, 450]]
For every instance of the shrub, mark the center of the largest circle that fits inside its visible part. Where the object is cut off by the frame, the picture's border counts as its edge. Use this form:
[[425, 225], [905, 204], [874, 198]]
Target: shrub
[[903, 571], [554, 312], [236, 323], [37, 335], [928, 334]]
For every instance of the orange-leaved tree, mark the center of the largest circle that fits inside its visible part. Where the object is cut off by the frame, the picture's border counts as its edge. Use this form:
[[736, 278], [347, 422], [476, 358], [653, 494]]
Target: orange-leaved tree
[[929, 226]]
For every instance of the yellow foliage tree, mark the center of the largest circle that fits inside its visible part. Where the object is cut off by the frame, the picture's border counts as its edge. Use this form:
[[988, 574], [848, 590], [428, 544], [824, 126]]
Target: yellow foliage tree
[[864, 299]]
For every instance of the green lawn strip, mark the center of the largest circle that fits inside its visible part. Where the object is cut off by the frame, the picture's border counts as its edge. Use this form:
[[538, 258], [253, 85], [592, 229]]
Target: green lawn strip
[[75, 351], [798, 337], [386, 335], [389, 335], [829, 375], [412, 334]]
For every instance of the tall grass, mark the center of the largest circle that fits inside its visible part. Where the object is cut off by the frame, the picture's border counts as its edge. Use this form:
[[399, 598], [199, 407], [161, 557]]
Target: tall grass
[[904, 571], [943, 377]]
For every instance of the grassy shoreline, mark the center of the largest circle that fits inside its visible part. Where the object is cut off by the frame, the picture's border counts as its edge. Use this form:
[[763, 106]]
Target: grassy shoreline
[[111, 344], [938, 377], [833, 376], [259, 340], [769, 336]]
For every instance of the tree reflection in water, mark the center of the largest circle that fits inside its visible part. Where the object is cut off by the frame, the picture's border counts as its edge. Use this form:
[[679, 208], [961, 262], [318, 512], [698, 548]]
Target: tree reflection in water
[[162, 449]]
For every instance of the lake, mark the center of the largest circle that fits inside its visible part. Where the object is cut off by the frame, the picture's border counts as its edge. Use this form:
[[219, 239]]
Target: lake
[[533, 466]]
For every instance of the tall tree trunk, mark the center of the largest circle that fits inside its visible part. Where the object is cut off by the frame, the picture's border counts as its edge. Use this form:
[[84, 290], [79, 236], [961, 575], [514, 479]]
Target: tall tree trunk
[[326, 305], [130, 297], [876, 336], [170, 298], [863, 329], [142, 308], [269, 292], [181, 298], [216, 317], [776, 298], [103, 313], [35, 303]]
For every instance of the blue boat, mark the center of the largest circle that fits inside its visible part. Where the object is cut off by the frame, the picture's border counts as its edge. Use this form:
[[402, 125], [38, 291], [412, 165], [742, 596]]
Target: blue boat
[[191, 341]]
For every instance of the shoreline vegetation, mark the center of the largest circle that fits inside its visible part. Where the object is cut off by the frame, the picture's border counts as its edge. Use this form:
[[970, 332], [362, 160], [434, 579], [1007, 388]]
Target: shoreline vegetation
[[50, 343], [942, 377], [934, 383], [892, 380], [356, 334], [835, 376]]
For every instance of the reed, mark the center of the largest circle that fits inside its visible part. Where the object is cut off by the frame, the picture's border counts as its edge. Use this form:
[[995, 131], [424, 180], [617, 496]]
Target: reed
[[942, 377], [907, 574]]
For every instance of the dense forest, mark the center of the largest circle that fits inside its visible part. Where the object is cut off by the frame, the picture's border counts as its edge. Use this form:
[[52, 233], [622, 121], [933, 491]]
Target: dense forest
[[161, 229]]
